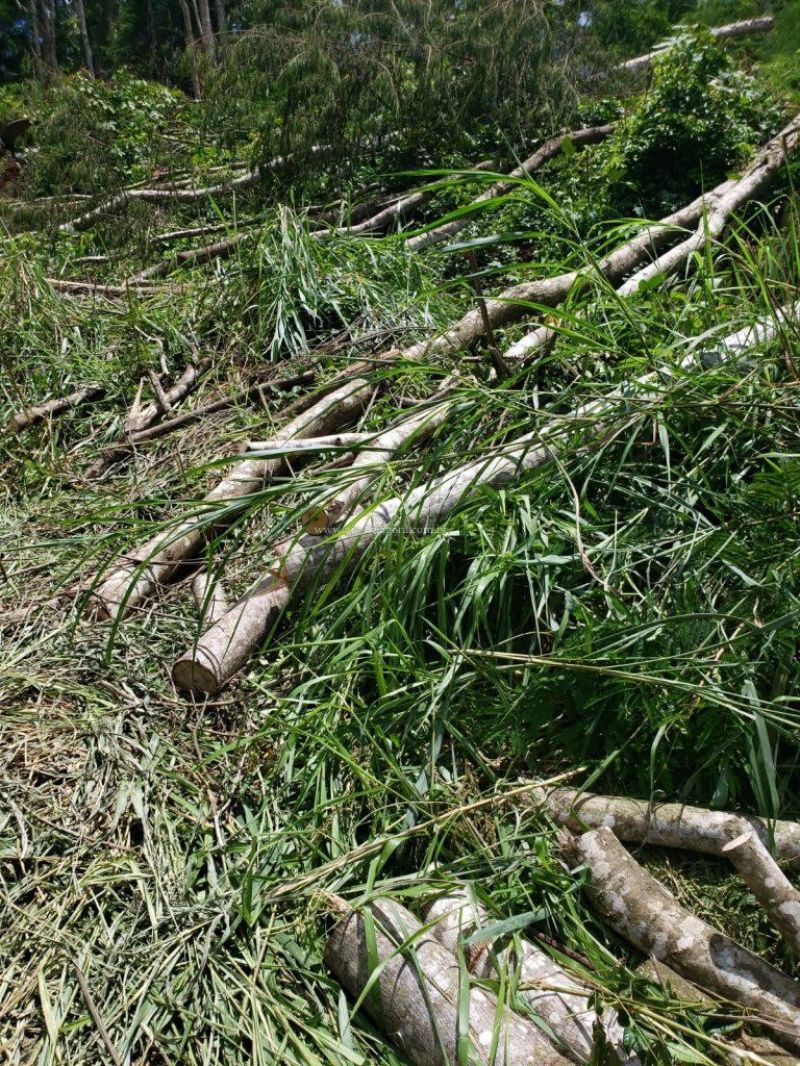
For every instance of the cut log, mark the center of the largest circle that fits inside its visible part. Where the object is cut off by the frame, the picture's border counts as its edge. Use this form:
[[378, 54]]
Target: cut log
[[641, 910], [96, 288], [157, 561], [743, 28], [390, 214], [416, 997], [370, 462], [667, 825], [225, 648], [29, 416], [209, 595], [553, 994], [543, 154], [745, 1049], [719, 833]]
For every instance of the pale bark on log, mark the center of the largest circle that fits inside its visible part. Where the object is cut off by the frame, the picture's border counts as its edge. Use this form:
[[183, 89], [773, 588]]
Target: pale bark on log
[[96, 288], [642, 911], [667, 825], [371, 460], [415, 999], [225, 648], [745, 1049], [389, 214], [156, 561], [733, 29], [554, 995], [331, 442], [510, 305], [728, 836], [30, 415], [191, 256], [543, 154], [209, 595]]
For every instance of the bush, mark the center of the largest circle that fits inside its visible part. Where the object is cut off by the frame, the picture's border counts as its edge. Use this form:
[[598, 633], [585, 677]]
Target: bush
[[700, 119], [91, 135]]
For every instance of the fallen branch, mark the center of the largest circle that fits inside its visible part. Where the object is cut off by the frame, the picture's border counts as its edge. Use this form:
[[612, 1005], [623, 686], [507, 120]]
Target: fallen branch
[[641, 910], [312, 445], [158, 196], [392, 213], [554, 995], [416, 997], [190, 257], [30, 415], [163, 429], [96, 288], [545, 152], [157, 561], [732, 29]]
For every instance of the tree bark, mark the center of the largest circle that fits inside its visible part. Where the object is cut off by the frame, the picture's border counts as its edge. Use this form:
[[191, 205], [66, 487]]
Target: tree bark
[[30, 415], [371, 460], [209, 595], [86, 43], [666, 825], [157, 561], [208, 30], [728, 836], [36, 32], [554, 995], [417, 996], [641, 910], [222, 25], [48, 22], [191, 48], [225, 648]]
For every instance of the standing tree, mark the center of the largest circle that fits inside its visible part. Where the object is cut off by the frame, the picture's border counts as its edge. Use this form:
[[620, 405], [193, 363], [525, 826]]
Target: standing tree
[[87, 47]]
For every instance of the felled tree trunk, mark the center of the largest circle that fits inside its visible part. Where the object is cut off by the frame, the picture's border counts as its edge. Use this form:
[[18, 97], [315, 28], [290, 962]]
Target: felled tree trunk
[[416, 1000], [157, 561], [30, 415], [668, 825], [757, 177], [547, 151], [209, 595], [553, 994], [641, 910], [732, 29]]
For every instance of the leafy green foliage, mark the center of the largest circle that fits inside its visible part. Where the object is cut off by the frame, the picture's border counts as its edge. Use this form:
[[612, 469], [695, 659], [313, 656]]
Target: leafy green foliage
[[93, 136], [698, 120]]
